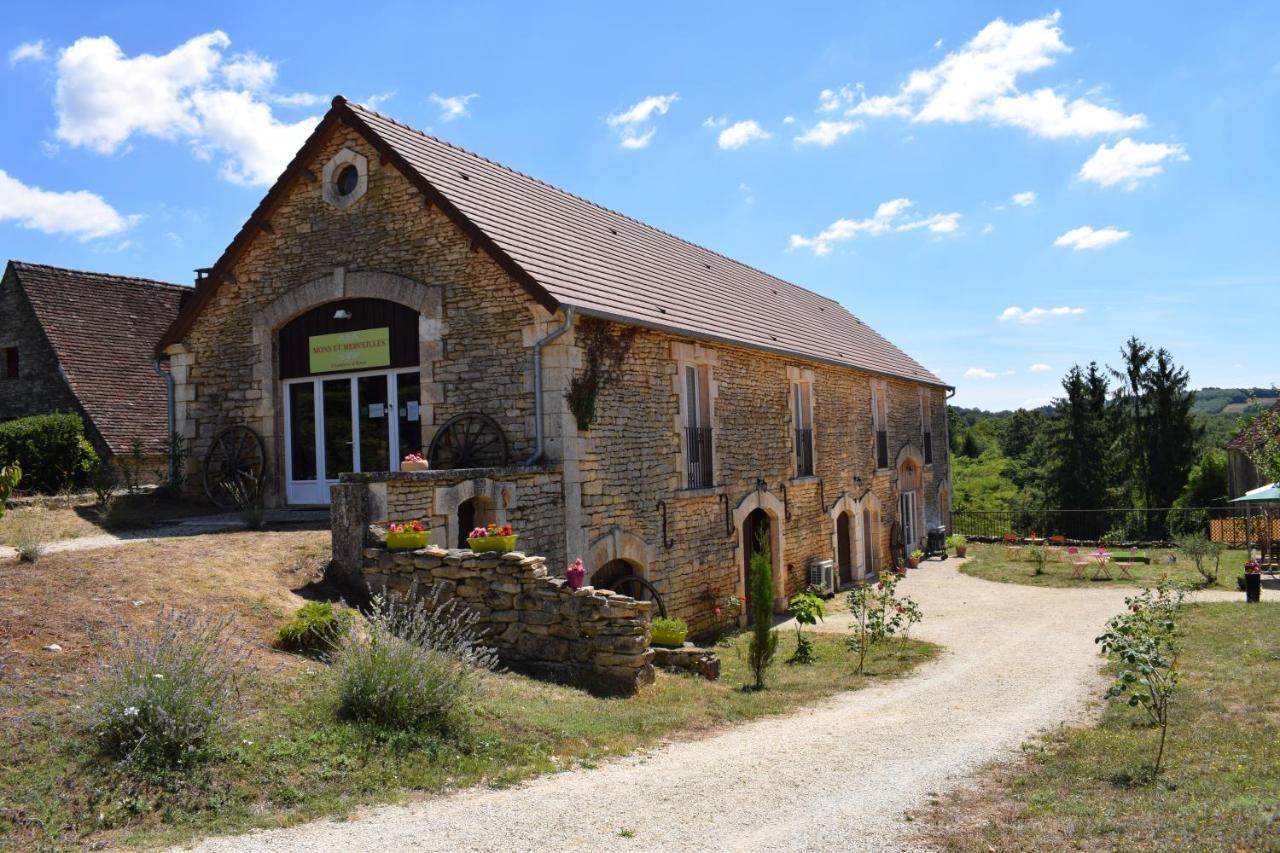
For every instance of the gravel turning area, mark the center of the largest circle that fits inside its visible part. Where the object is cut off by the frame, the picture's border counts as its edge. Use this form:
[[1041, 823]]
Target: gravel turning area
[[839, 776]]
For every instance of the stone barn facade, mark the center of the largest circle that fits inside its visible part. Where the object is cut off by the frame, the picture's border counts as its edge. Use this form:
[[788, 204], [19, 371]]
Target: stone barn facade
[[620, 395]]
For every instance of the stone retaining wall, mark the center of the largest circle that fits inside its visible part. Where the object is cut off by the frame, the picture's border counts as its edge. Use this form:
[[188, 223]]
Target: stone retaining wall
[[593, 638]]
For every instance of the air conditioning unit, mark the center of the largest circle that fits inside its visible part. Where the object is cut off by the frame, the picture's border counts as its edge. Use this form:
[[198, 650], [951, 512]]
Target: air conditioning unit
[[822, 577]]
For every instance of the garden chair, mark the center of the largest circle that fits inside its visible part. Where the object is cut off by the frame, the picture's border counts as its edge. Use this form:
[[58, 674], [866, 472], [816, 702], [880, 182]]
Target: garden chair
[[1078, 563]]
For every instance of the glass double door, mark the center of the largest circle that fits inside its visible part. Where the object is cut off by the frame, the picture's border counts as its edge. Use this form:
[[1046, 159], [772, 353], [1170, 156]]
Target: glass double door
[[352, 422]]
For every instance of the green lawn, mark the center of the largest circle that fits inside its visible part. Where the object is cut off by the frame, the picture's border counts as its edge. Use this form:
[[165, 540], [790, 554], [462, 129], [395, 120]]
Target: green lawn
[[1084, 788], [995, 563], [291, 761]]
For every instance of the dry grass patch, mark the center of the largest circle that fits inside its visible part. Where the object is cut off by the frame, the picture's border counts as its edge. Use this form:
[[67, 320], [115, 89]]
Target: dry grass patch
[[290, 758]]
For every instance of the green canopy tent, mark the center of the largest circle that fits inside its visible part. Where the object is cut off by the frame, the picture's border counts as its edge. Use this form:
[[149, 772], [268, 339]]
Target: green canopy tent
[[1263, 497]]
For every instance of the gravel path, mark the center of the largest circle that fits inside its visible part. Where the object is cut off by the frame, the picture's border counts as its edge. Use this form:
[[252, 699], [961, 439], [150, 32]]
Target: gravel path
[[837, 776]]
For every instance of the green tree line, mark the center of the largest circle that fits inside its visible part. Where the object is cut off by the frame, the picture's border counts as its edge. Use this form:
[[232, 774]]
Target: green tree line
[[1123, 436]]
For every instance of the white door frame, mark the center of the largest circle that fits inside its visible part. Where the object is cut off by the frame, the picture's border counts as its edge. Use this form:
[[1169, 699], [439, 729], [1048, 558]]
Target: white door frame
[[317, 491]]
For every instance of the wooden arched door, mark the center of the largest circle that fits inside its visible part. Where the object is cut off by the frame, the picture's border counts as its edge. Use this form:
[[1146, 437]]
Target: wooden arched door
[[844, 547]]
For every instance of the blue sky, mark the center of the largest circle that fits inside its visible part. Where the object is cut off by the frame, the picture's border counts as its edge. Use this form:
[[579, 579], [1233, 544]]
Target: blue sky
[[1001, 189]]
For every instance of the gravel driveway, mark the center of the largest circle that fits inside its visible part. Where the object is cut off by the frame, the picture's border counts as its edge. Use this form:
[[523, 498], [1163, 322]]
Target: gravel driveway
[[838, 776]]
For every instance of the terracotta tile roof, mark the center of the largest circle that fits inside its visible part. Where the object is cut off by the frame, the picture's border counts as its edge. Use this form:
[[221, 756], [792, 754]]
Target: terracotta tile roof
[[606, 263], [103, 329], [567, 251], [1250, 436]]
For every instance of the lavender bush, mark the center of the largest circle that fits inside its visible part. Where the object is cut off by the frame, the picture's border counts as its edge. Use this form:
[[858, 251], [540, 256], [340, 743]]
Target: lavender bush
[[165, 696], [417, 666]]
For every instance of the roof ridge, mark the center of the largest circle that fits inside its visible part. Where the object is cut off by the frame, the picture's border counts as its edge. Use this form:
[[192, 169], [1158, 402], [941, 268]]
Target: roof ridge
[[597, 205], [107, 275]]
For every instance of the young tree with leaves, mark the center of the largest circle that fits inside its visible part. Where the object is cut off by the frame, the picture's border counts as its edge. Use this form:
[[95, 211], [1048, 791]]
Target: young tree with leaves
[[764, 640]]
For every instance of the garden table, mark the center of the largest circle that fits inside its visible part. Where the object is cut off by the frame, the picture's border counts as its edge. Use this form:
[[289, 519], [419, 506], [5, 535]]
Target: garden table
[[1102, 566]]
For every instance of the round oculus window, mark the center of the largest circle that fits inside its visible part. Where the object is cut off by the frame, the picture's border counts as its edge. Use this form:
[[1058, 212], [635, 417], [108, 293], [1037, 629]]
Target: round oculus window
[[346, 180]]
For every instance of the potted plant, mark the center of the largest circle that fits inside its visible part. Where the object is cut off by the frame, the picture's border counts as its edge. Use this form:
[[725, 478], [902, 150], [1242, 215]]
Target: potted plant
[[1252, 582], [492, 538], [414, 462], [958, 543], [406, 537], [669, 633], [914, 560]]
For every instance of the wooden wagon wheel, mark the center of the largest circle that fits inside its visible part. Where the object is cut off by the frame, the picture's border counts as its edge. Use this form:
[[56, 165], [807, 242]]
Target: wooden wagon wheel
[[639, 589], [471, 440], [236, 455]]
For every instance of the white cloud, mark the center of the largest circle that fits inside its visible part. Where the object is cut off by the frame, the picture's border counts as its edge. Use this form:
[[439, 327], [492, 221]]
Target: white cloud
[[1040, 367], [747, 196], [259, 146], [889, 216], [826, 133], [938, 43], [979, 373], [452, 107], [642, 111], [249, 71], [192, 93], [81, 213], [633, 140], [1024, 199], [1035, 315], [299, 99], [1087, 237], [979, 82], [632, 134], [1128, 162], [31, 51], [830, 100], [788, 119], [713, 122], [374, 102], [740, 133]]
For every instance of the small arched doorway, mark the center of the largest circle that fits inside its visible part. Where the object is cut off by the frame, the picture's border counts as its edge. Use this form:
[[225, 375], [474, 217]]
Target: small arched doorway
[[755, 537], [910, 511], [871, 540], [622, 576], [844, 547], [474, 512]]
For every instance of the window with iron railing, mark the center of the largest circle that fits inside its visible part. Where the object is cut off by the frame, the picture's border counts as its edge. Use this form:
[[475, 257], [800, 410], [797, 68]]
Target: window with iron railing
[[928, 448], [698, 444], [804, 453], [882, 448]]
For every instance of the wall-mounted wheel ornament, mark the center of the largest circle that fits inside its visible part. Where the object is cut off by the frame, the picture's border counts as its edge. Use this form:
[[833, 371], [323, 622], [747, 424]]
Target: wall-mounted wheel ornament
[[639, 589], [471, 440], [236, 459]]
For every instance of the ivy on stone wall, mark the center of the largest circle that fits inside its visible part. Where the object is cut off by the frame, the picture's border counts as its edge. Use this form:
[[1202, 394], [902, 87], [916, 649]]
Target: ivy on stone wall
[[605, 348]]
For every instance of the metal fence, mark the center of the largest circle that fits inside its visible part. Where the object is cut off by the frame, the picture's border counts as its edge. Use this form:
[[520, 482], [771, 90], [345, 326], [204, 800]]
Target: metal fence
[[1222, 524]]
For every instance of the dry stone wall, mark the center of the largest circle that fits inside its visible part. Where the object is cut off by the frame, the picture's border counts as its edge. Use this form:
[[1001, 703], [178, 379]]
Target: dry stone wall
[[593, 638]]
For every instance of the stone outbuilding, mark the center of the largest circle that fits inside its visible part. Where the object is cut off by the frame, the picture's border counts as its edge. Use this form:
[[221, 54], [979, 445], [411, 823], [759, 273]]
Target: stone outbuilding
[[616, 393], [76, 341]]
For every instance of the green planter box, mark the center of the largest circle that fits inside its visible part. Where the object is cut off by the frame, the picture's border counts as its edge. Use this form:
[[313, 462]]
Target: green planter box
[[406, 541], [502, 544], [668, 638]]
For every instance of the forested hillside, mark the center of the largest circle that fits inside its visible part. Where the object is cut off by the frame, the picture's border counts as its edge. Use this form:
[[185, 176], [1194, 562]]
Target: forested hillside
[[1135, 435]]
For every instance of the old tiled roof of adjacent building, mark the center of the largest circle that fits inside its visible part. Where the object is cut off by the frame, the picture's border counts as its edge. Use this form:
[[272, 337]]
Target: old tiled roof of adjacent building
[[570, 252], [1250, 435], [103, 330]]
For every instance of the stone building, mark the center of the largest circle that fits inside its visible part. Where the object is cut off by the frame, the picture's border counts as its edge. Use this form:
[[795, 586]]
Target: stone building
[[1242, 474], [616, 393], [75, 341]]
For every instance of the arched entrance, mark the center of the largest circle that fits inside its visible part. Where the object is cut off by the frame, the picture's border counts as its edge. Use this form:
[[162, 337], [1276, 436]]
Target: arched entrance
[[350, 371], [871, 532], [844, 547], [910, 501], [474, 512], [755, 537], [760, 510]]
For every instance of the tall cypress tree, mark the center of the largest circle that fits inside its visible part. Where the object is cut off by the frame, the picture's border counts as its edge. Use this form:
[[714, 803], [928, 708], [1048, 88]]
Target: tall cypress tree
[[1133, 422], [1171, 430], [1078, 454]]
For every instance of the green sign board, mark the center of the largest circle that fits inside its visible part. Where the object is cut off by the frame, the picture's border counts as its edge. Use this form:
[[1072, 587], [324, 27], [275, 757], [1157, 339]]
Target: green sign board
[[365, 349]]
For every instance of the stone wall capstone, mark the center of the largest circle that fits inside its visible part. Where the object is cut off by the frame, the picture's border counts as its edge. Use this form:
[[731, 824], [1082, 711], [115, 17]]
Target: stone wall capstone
[[588, 637]]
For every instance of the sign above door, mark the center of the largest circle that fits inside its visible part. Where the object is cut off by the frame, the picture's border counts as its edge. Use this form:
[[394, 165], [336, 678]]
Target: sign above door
[[364, 349]]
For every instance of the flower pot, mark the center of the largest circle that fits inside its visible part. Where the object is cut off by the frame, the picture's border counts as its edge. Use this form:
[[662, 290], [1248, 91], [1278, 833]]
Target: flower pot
[[409, 541], [667, 638], [408, 467], [913, 562], [501, 544], [1253, 587], [960, 550]]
